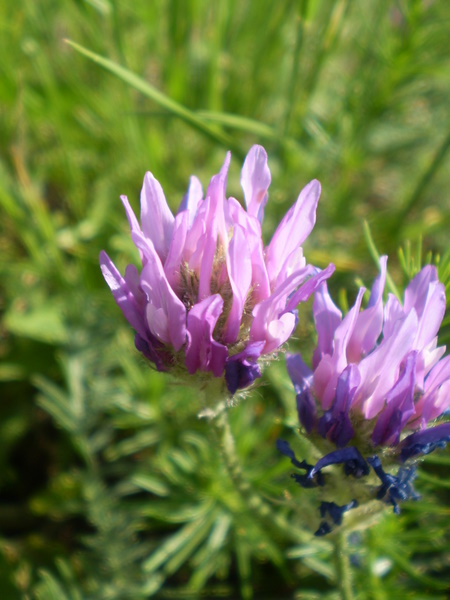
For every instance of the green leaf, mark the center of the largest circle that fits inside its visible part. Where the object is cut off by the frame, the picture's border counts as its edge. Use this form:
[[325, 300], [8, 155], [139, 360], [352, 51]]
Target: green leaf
[[44, 324], [173, 107]]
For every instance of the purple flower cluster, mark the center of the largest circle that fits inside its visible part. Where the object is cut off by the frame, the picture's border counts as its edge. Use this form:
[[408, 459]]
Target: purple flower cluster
[[378, 379], [378, 370], [209, 297]]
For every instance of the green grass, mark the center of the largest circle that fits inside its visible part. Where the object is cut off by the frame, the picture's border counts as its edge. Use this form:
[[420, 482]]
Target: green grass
[[110, 487]]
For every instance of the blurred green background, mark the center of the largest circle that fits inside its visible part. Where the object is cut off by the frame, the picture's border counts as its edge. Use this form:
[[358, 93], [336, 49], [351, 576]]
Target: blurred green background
[[110, 486]]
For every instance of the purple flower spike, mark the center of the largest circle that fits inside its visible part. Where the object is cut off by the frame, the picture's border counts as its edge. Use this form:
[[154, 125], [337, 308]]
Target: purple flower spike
[[378, 369], [209, 297], [378, 380]]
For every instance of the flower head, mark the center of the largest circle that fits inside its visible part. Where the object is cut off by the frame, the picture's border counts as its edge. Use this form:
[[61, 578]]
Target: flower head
[[209, 297], [378, 379]]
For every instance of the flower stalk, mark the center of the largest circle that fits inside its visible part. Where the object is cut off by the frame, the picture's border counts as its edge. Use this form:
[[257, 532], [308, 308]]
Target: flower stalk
[[343, 566], [274, 520]]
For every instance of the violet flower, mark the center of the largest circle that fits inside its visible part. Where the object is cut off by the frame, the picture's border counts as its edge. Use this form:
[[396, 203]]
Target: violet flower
[[210, 299], [378, 380]]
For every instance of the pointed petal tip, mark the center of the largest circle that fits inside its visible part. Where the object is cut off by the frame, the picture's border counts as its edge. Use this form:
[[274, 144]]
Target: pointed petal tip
[[314, 186]]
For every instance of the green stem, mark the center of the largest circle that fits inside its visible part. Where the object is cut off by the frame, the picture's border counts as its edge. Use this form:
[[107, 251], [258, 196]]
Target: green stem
[[251, 498], [343, 569]]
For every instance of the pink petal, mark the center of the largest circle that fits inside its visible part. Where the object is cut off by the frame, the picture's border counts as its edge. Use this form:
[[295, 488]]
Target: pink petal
[[369, 323], [432, 315], [379, 370], [270, 321], [294, 262], [161, 296], [255, 181], [417, 291], [202, 351], [174, 258], [123, 295], [208, 245], [330, 367], [216, 194], [399, 406], [309, 287], [293, 229], [193, 249], [240, 276], [260, 280], [327, 318], [132, 221], [436, 397], [192, 198], [393, 312], [156, 217]]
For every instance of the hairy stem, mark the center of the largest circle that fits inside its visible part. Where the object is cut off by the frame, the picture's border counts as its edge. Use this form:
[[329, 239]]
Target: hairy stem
[[343, 568], [251, 498]]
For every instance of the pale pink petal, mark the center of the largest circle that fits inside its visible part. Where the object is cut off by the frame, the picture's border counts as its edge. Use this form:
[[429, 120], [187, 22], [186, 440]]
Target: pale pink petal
[[436, 397], [399, 406], [369, 323], [327, 318], [309, 287], [159, 293], [380, 369], [440, 403], [330, 367], [208, 244], [132, 221], [192, 198], [294, 262], [393, 312], [202, 351], [218, 205], [417, 291], [260, 280], [239, 269], [193, 249], [431, 316], [156, 217], [271, 322], [125, 299], [133, 281], [293, 229], [158, 323], [255, 181], [174, 258]]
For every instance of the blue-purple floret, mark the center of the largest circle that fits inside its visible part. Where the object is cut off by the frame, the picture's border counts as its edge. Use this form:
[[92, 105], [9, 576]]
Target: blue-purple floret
[[335, 512], [424, 442], [395, 488], [351, 458], [242, 369], [240, 374], [306, 481], [306, 409], [335, 422]]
